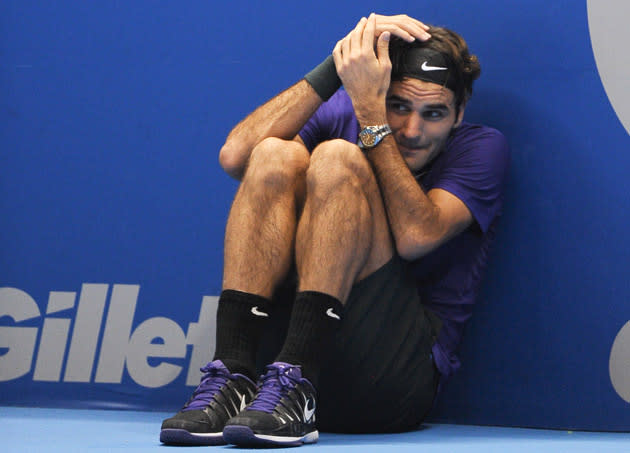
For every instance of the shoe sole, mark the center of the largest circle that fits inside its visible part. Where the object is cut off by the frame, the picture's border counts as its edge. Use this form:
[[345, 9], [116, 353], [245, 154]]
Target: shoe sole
[[183, 437], [245, 437]]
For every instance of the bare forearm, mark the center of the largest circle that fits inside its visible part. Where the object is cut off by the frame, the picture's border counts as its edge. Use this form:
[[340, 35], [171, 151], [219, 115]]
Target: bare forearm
[[413, 218], [282, 117]]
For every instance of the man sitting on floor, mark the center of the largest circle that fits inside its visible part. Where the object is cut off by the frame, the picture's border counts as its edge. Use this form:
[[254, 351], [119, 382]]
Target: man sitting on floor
[[385, 202]]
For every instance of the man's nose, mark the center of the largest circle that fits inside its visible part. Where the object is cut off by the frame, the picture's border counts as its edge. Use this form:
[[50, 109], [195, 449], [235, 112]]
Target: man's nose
[[413, 126]]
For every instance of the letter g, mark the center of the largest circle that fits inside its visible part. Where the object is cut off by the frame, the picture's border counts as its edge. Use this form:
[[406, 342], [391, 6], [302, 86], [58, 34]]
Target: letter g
[[20, 341]]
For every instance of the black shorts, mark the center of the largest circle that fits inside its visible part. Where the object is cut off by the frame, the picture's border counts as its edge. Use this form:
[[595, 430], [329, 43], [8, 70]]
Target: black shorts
[[379, 374]]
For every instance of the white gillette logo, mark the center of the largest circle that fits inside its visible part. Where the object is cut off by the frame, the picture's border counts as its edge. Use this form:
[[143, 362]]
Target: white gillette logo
[[426, 67], [90, 336]]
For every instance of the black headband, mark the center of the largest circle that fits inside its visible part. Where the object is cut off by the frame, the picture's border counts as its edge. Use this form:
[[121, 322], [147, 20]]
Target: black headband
[[426, 64]]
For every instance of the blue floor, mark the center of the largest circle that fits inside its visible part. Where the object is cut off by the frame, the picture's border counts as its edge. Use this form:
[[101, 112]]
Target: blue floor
[[64, 430]]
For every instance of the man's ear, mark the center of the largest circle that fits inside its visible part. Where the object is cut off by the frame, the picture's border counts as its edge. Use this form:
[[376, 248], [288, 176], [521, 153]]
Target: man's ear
[[460, 115]]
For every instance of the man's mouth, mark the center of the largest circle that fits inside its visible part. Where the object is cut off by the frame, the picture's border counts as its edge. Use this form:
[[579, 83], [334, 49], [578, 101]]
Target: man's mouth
[[410, 150]]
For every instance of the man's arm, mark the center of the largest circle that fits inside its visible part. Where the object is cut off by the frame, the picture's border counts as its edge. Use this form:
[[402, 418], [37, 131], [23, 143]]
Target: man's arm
[[284, 115], [419, 222]]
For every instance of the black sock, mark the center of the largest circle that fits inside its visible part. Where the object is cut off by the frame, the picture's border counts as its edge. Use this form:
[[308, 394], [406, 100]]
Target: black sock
[[241, 318], [314, 320]]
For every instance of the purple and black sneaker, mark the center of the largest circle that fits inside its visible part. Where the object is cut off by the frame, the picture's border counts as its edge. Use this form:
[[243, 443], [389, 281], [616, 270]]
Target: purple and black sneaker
[[220, 396], [282, 413]]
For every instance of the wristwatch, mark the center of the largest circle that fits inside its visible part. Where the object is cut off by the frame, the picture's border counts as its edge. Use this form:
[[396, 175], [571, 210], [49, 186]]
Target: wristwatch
[[371, 136]]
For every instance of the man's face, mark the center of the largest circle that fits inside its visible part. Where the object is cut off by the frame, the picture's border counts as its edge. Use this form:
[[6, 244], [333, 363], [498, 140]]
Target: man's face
[[421, 115]]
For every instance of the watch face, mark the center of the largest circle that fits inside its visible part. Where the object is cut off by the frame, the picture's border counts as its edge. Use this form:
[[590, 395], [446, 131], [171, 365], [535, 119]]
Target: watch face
[[367, 138]]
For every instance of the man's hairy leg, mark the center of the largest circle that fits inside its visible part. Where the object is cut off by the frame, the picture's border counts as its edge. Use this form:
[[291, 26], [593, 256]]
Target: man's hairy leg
[[342, 237], [260, 232], [259, 244], [258, 252]]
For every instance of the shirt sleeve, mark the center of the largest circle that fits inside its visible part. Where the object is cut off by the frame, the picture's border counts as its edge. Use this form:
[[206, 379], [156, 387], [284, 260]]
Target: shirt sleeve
[[316, 127], [333, 119], [477, 173]]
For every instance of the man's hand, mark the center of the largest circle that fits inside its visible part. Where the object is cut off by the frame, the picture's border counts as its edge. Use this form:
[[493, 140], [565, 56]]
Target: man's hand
[[365, 73], [403, 26]]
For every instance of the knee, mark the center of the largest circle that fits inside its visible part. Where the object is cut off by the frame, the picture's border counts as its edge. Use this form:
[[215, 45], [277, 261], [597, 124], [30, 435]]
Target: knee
[[338, 161], [275, 163]]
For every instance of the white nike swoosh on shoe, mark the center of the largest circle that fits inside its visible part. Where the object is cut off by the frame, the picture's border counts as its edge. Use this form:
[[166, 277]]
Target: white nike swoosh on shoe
[[308, 413], [241, 397], [243, 403], [332, 314], [426, 67], [259, 313]]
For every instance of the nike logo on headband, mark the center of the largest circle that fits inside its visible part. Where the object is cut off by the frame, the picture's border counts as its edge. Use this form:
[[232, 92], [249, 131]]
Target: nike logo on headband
[[426, 67]]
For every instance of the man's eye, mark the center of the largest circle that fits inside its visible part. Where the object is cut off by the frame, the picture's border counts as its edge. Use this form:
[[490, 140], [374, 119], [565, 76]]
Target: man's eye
[[397, 107], [433, 114]]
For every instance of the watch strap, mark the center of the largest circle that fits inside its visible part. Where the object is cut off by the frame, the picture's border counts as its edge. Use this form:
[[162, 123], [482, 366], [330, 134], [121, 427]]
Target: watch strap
[[370, 136]]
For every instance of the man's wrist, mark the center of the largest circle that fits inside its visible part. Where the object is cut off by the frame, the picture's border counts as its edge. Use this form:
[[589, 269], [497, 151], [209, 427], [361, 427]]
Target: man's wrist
[[371, 119], [324, 78], [370, 136], [370, 112]]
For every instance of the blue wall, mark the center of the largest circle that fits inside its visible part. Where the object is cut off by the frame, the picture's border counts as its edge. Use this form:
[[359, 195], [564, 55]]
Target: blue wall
[[111, 118]]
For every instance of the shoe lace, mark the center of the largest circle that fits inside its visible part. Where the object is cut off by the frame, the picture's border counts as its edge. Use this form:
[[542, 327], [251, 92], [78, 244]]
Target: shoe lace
[[213, 379], [273, 386]]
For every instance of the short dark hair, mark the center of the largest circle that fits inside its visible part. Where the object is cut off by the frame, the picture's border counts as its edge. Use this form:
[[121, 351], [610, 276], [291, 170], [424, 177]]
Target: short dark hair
[[466, 67]]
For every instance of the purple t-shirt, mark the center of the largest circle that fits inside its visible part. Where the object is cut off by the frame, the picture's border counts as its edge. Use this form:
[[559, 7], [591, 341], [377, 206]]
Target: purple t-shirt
[[473, 167]]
